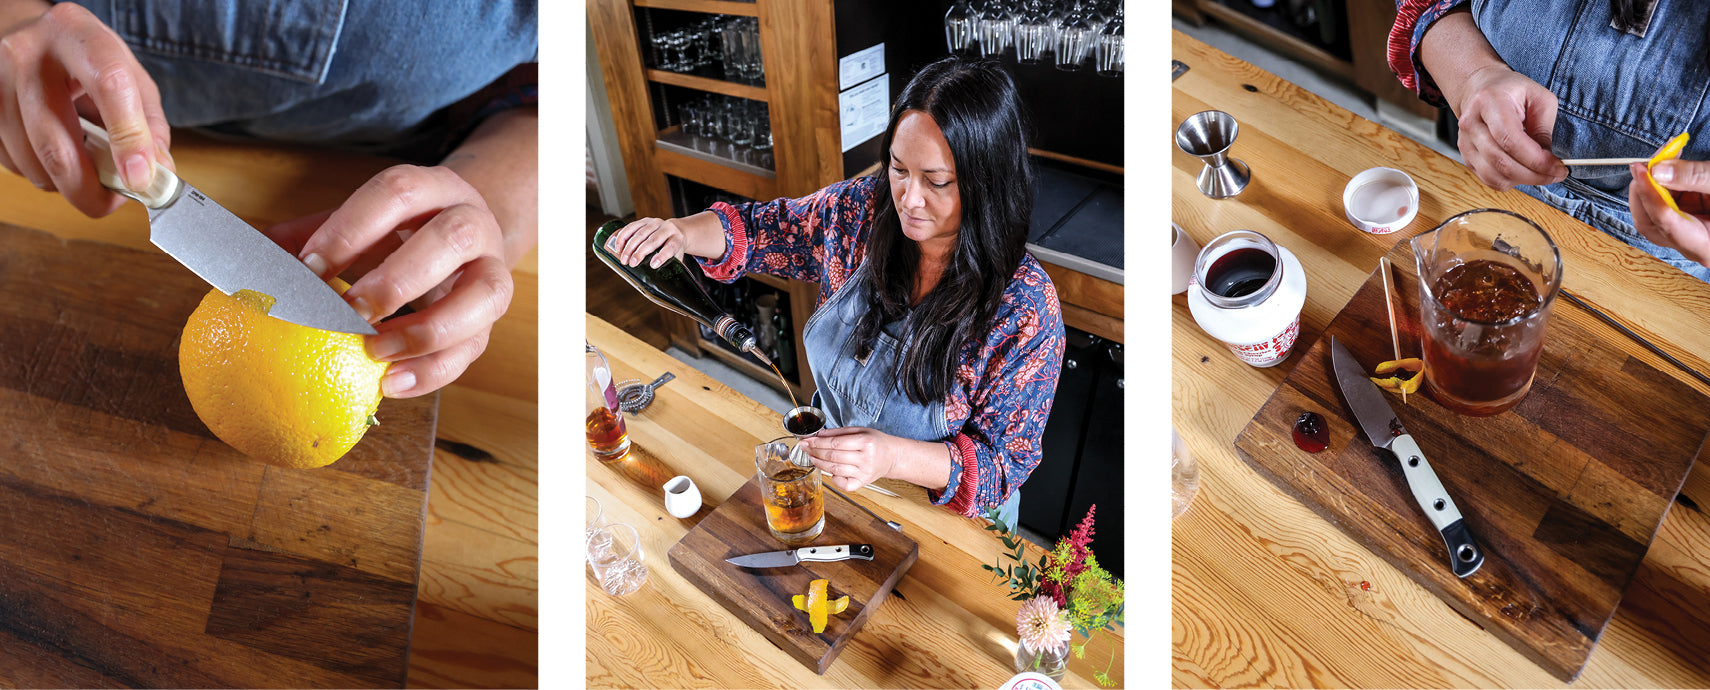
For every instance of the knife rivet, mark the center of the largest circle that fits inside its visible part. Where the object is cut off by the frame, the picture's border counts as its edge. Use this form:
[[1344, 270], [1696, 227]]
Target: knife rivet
[[1438, 504], [1413, 461], [1467, 553]]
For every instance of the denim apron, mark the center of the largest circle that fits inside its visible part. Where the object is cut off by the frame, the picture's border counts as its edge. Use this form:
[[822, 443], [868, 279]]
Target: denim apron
[[366, 75], [868, 393], [1620, 94]]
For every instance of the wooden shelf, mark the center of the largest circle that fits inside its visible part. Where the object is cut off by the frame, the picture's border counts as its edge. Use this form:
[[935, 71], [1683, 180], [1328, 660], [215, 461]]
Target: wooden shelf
[[1095, 165], [710, 150], [719, 175], [1291, 45], [719, 86], [773, 281], [743, 9], [798, 40]]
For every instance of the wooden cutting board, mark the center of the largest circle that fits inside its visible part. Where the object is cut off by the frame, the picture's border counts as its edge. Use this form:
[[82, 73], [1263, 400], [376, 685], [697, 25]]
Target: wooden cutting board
[[135, 548], [761, 597], [1565, 491]]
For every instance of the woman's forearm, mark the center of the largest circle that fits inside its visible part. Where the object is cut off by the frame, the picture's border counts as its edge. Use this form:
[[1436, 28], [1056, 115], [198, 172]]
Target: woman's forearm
[[500, 160], [1453, 50], [703, 235], [923, 463]]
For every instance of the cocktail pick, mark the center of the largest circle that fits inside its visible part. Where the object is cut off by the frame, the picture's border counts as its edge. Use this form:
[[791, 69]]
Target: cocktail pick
[[1389, 303]]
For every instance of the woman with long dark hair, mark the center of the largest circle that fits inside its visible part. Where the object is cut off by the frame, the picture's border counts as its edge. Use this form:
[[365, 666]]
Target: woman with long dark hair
[[937, 339]]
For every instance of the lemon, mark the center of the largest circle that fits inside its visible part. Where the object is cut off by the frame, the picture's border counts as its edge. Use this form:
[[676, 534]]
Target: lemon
[[1669, 151], [819, 608], [280, 393]]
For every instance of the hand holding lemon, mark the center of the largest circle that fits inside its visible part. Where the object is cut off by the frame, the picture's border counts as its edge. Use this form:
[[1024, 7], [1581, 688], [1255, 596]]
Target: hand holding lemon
[[1670, 201]]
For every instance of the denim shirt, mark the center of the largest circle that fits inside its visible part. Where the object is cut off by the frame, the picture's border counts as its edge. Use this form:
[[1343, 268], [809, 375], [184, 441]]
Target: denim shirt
[[1619, 95], [366, 75]]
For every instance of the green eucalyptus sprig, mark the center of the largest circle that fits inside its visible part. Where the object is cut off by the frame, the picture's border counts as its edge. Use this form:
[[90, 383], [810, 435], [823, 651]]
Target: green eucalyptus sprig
[[1022, 577]]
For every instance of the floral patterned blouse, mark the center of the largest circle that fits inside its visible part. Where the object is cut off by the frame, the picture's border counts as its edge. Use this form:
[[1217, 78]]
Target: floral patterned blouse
[[1004, 386]]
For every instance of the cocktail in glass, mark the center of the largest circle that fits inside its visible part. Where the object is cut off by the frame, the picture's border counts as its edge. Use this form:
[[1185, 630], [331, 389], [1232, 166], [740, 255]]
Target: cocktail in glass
[[1487, 280]]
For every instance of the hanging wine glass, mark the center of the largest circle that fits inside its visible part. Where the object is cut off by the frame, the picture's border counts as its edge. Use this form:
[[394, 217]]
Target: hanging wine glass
[[1110, 47], [993, 37], [1077, 36], [1054, 24], [961, 25], [1031, 34]]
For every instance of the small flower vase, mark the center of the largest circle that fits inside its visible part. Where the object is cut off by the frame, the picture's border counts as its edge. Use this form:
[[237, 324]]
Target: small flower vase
[[1051, 661]]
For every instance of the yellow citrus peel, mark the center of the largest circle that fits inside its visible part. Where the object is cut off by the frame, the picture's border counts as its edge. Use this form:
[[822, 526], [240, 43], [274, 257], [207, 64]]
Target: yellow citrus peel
[[1669, 151], [1395, 381], [818, 608]]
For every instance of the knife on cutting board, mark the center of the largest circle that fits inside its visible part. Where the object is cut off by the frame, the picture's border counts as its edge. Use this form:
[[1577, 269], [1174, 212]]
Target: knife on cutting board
[[222, 249], [1377, 419], [783, 559]]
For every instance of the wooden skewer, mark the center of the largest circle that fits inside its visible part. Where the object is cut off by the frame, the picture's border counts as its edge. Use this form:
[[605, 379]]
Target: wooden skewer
[[1389, 303], [1603, 161]]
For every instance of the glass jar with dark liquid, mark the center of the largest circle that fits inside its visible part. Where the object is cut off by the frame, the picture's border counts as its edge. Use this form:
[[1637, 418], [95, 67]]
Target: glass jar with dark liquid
[[1248, 292]]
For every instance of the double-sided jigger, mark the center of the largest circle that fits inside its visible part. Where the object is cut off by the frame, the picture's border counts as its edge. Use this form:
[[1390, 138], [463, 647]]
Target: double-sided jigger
[[1208, 136]]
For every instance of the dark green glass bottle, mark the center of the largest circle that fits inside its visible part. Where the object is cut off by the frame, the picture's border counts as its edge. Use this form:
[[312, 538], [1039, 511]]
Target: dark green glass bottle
[[673, 286]]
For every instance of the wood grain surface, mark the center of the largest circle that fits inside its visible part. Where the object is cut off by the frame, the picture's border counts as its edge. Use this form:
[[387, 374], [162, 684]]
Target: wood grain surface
[[478, 581], [1564, 509], [1268, 593], [762, 597], [139, 549], [947, 625]]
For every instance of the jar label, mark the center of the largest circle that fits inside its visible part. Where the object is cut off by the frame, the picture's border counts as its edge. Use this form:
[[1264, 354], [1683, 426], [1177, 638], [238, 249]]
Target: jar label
[[1270, 351]]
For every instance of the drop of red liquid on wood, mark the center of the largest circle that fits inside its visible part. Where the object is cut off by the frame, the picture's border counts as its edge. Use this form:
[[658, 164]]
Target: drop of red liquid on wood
[[1311, 434]]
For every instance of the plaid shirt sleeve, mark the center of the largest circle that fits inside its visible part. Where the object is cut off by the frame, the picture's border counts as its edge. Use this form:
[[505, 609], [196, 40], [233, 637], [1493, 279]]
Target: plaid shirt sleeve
[[1005, 387], [1412, 19]]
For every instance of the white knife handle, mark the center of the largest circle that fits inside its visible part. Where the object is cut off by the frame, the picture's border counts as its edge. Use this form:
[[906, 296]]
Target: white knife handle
[[835, 553], [1465, 556], [1427, 490], [162, 191]]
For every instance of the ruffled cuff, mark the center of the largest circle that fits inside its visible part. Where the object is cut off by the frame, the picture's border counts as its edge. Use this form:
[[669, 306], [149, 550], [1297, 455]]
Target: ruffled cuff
[[1412, 20], [735, 259], [963, 488]]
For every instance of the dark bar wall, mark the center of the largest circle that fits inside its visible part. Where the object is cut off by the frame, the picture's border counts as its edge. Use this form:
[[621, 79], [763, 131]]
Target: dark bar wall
[[1076, 114]]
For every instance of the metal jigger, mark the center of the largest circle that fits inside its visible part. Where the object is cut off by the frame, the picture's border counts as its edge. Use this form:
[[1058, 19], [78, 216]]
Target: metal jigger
[[1208, 136]]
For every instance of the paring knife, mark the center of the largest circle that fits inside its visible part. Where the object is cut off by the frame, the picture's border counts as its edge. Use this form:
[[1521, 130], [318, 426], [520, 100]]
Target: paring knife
[[1377, 419], [782, 559], [222, 249]]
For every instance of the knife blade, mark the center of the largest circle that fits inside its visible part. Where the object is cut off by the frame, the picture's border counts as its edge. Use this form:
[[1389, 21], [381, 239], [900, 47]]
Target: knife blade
[[781, 559], [1380, 425], [223, 250]]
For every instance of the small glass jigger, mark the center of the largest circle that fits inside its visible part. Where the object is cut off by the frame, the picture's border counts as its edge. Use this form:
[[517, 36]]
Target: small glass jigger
[[1208, 136]]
